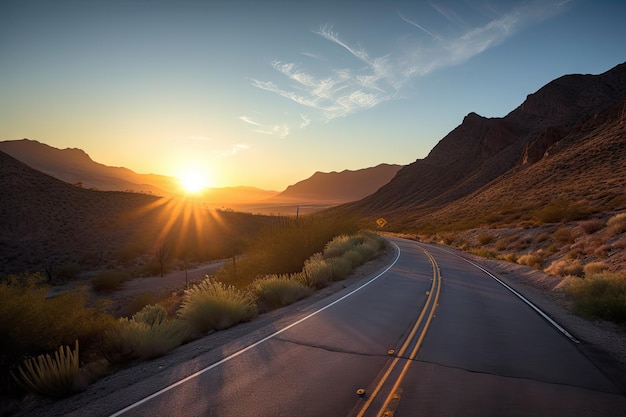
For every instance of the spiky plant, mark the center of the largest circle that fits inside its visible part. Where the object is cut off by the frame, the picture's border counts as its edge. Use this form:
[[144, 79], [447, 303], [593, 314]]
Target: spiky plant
[[50, 376]]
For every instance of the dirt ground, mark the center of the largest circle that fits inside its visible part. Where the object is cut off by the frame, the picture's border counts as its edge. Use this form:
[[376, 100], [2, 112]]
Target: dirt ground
[[604, 342]]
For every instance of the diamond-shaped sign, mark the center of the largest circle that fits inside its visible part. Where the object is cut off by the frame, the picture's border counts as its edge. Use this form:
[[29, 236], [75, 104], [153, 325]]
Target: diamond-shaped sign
[[381, 222]]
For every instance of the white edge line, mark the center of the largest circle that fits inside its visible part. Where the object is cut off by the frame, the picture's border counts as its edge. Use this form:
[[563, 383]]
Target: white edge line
[[521, 297], [234, 355]]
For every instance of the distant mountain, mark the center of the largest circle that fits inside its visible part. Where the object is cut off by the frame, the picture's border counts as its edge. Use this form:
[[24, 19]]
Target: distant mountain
[[574, 113], [47, 223], [74, 166], [339, 187]]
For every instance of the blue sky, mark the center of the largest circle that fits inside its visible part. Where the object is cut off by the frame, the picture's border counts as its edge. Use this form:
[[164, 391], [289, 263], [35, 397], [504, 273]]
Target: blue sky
[[266, 93]]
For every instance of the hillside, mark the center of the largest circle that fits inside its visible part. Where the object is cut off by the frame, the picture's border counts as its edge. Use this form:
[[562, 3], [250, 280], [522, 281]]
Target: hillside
[[339, 187], [46, 223], [482, 150], [75, 166]]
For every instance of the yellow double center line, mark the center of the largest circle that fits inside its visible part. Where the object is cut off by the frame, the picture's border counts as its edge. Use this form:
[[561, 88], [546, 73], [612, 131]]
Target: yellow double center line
[[429, 308]]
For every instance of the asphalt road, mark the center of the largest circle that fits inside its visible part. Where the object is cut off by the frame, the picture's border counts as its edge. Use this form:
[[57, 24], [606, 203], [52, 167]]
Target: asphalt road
[[433, 335]]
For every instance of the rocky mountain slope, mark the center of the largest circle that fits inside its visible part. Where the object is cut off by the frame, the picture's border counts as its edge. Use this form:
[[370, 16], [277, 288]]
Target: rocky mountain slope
[[481, 150], [339, 187]]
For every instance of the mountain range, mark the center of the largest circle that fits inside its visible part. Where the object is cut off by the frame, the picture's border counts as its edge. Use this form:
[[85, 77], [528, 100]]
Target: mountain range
[[74, 166], [566, 141]]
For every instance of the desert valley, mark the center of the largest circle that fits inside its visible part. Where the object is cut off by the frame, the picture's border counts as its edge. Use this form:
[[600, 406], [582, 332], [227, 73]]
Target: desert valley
[[543, 187]]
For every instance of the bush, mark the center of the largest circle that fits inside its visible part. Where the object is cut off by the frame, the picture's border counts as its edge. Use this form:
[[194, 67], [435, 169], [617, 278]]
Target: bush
[[33, 324], [318, 271], [565, 267], [593, 268], [276, 291], [484, 238], [599, 296], [139, 301], [340, 267], [151, 315], [354, 257], [338, 246], [211, 305], [617, 224], [484, 253], [563, 235], [50, 377], [533, 260], [592, 226], [109, 280], [132, 339], [367, 251]]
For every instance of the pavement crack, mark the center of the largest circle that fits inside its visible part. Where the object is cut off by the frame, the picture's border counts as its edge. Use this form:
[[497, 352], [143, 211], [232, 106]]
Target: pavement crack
[[331, 348]]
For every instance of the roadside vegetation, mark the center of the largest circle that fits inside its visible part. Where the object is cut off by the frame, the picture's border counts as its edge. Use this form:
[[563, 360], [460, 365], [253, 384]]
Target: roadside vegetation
[[570, 241], [40, 335]]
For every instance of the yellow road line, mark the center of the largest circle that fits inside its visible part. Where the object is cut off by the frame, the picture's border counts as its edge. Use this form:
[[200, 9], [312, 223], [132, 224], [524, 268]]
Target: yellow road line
[[385, 410], [407, 342]]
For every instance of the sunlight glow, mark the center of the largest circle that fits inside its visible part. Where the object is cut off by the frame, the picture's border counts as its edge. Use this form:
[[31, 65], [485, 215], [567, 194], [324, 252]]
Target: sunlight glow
[[194, 181]]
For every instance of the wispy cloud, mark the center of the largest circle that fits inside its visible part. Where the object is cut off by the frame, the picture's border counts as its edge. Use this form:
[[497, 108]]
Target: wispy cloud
[[410, 22], [377, 79], [306, 120], [248, 120]]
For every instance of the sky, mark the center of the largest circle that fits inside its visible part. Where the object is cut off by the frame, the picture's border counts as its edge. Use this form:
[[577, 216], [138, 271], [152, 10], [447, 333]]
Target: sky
[[266, 93]]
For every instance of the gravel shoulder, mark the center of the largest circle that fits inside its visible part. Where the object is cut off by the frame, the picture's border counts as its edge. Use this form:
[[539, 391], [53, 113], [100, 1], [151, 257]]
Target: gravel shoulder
[[603, 342]]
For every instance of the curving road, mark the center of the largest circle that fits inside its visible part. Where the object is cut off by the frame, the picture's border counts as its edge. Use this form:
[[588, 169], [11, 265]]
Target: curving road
[[430, 335]]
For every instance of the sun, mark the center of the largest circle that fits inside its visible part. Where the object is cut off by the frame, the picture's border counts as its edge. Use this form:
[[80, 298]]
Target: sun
[[193, 181]]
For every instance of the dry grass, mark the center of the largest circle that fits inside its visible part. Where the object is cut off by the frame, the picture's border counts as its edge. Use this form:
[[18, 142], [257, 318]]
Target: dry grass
[[601, 295], [565, 267]]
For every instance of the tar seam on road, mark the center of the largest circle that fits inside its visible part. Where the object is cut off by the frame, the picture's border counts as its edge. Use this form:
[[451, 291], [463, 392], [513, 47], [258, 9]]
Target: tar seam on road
[[265, 339], [547, 318]]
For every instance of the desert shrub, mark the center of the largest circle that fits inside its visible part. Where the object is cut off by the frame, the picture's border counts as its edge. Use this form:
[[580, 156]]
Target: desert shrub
[[542, 237], [617, 224], [509, 257], [211, 305], [562, 210], [484, 238], [485, 253], [151, 315], [318, 271], [274, 291], [139, 301], [592, 226], [109, 280], [593, 268], [338, 246], [533, 260], [366, 250], [340, 267], [284, 246], [550, 249], [33, 323], [132, 339], [565, 267], [599, 296], [563, 235], [602, 251], [50, 376], [354, 256]]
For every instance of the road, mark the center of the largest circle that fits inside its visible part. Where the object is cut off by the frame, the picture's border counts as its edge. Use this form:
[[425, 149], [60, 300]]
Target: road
[[431, 335]]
